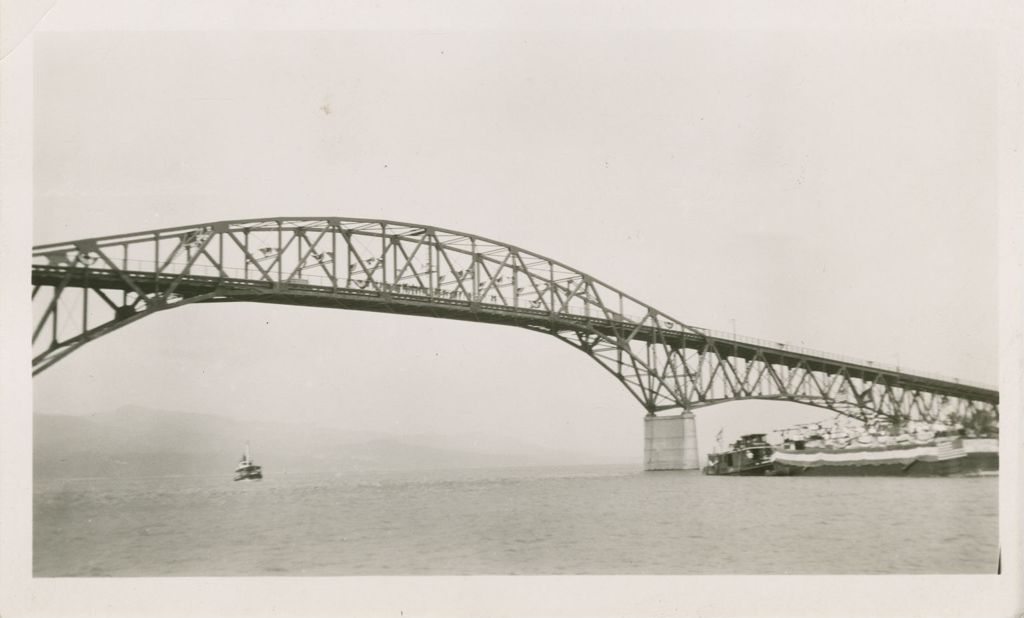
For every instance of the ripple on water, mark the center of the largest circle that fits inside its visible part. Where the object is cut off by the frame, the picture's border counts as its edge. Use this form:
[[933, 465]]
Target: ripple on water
[[540, 521]]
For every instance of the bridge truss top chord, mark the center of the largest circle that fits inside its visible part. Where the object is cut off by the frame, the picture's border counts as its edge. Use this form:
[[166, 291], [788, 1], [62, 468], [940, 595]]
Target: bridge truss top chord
[[84, 289]]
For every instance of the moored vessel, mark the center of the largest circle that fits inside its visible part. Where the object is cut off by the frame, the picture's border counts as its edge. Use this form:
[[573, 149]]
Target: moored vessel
[[914, 449], [938, 457], [247, 470]]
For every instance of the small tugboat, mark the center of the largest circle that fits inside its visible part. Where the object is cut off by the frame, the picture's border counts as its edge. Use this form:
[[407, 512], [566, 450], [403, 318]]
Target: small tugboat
[[247, 470], [748, 456]]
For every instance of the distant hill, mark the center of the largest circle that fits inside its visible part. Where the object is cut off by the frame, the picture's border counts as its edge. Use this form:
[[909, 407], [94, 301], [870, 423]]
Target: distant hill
[[137, 441]]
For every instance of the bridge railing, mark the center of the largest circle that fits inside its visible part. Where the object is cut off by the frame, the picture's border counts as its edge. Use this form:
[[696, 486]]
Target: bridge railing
[[763, 343], [320, 280]]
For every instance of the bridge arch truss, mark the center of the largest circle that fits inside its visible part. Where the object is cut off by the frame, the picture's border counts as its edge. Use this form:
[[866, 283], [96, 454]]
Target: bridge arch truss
[[87, 288]]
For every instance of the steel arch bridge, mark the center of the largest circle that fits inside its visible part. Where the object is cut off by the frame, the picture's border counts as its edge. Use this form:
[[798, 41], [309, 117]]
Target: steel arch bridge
[[87, 288]]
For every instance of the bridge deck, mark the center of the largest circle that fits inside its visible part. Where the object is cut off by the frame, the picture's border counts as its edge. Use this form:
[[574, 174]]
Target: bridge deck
[[413, 303]]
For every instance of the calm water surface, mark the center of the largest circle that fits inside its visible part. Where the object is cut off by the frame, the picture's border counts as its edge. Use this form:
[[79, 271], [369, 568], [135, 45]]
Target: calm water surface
[[541, 521]]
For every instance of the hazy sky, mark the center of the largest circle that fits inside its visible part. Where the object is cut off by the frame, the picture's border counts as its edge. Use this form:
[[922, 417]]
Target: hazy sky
[[834, 190]]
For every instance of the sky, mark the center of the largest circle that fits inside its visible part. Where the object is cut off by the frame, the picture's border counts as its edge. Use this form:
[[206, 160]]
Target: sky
[[829, 189]]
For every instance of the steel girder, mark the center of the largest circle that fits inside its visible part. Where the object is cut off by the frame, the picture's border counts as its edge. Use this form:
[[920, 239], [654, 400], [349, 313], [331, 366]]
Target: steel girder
[[84, 289]]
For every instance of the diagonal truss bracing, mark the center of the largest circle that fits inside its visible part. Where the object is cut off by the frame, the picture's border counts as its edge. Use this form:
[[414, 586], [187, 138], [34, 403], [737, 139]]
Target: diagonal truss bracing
[[85, 289]]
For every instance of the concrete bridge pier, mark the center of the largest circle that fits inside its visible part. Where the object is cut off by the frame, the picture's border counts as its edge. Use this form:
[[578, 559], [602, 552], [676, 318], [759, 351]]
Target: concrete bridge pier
[[670, 442]]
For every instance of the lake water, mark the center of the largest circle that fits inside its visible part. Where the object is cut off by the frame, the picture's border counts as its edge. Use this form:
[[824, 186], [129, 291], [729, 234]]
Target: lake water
[[540, 521]]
